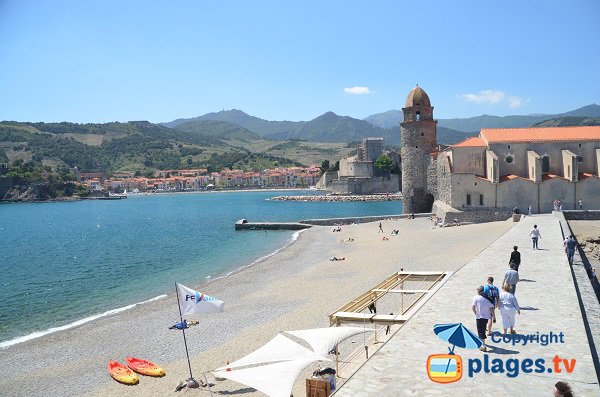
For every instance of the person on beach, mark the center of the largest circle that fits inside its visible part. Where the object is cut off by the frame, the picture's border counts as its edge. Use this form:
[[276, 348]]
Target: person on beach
[[515, 257], [482, 308], [380, 228], [509, 307], [492, 293], [371, 307], [570, 245], [529, 210], [511, 277], [535, 235], [562, 389]]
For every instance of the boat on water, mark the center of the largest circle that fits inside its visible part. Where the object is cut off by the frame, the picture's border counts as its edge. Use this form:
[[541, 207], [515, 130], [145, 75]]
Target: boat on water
[[117, 195]]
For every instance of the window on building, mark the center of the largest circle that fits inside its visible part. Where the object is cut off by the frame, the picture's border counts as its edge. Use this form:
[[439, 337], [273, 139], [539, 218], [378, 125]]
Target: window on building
[[418, 114], [509, 159], [481, 199], [468, 199], [509, 146], [422, 134], [545, 164], [568, 171]]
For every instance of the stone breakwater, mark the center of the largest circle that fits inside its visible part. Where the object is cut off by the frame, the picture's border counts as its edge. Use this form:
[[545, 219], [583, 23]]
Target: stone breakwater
[[332, 198]]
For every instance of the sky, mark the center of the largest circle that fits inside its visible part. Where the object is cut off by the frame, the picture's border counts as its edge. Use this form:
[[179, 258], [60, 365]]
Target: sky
[[106, 60]]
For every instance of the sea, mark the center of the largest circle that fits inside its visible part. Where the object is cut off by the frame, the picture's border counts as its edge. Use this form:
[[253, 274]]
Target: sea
[[63, 264]]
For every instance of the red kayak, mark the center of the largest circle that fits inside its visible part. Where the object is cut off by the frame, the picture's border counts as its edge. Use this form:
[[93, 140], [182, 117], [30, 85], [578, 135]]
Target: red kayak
[[144, 367], [121, 373]]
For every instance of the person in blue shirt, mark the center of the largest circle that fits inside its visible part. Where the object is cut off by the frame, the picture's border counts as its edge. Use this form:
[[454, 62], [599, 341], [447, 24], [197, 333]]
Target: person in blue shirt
[[492, 293], [570, 245]]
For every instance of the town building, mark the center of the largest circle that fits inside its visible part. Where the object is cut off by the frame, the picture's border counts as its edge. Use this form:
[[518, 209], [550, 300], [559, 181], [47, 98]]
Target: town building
[[358, 174], [486, 177]]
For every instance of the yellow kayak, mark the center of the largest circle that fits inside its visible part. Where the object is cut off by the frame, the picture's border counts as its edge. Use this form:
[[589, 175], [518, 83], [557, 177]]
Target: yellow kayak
[[121, 373], [144, 367]]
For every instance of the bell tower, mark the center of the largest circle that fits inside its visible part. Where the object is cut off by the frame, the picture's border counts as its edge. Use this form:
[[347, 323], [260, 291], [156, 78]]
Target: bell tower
[[418, 139]]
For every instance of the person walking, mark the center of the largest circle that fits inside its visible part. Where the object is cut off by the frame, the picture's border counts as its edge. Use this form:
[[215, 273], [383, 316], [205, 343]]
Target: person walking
[[515, 257], [511, 277], [570, 245], [529, 210], [492, 293], [580, 204], [509, 307], [380, 228], [482, 308], [535, 235]]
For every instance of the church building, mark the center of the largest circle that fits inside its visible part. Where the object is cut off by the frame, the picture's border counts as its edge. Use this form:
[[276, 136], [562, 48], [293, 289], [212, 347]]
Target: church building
[[483, 178]]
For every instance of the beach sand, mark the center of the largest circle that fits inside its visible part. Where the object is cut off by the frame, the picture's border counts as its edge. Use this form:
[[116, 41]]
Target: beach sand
[[295, 289]]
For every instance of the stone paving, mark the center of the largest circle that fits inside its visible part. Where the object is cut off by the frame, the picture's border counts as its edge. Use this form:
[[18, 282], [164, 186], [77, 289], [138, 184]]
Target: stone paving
[[549, 303]]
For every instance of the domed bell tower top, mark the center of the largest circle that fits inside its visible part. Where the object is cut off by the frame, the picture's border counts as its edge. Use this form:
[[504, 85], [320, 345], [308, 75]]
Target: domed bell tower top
[[418, 109]]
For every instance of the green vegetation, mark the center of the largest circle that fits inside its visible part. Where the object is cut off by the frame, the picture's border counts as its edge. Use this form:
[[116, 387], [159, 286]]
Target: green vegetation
[[384, 163]]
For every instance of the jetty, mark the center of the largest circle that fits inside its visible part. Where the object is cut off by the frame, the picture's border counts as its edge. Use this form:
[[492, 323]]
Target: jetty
[[243, 224], [336, 197]]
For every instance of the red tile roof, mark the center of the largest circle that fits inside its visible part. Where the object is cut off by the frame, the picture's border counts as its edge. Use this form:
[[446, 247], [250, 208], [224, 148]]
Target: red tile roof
[[541, 134], [471, 142]]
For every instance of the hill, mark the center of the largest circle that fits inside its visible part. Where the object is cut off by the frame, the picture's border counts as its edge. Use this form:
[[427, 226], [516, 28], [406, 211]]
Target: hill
[[254, 124], [569, 122], [133, 146], [394, 117], [329, 127], [217, 129]]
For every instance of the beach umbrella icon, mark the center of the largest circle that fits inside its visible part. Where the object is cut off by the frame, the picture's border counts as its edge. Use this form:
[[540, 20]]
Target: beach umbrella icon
[[457, 335]]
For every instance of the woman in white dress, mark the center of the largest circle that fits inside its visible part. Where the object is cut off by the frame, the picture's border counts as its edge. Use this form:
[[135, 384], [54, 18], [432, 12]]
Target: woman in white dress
[[509, 307]]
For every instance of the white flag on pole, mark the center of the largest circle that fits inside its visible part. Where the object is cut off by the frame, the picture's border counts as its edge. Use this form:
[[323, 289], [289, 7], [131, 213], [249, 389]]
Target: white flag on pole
[[196, 302]]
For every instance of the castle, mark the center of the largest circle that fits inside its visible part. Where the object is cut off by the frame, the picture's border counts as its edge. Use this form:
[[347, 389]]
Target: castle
[[483, 178]]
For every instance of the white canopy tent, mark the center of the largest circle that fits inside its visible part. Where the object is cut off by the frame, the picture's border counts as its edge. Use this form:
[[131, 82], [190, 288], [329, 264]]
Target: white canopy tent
[[323, 340], [279, 348], [274, 367], [275, 380]]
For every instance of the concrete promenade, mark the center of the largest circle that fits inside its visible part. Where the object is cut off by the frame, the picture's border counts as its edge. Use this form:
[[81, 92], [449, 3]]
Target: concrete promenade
[[548, 303]]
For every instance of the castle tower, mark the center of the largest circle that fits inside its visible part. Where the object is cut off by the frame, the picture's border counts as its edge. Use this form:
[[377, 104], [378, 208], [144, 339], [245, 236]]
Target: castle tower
[[418, 139]]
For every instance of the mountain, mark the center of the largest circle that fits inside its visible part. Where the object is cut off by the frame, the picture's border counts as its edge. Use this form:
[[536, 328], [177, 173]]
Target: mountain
[[329, 127], [394, 117], [217, 129], [569, 122], [448, 136], [254, 124]]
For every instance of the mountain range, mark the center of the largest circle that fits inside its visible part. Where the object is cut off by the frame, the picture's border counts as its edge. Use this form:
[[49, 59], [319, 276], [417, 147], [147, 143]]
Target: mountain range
[[330, 127], [392, 118]]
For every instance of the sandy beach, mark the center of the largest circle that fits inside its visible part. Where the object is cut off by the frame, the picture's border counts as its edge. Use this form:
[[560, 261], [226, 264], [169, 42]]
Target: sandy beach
[[294, 289]]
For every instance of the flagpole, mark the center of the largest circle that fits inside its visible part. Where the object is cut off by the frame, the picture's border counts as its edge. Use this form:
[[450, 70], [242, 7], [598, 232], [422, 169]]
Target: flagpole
[[183, 330]]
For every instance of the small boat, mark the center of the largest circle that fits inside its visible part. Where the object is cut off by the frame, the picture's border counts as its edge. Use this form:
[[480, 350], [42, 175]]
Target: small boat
[[144, 367], [121, 373], [117, 195]]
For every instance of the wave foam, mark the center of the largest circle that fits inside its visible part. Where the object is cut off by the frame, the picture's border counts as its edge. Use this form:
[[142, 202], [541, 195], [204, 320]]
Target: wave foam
[[38, 334]]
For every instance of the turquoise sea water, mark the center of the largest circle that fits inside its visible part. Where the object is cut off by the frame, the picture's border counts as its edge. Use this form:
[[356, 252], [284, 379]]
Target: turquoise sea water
[[61, 263]]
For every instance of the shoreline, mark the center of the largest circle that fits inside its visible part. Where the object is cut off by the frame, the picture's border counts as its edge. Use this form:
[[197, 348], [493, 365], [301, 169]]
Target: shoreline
[[295, 288], [109, 312], [141, 194]]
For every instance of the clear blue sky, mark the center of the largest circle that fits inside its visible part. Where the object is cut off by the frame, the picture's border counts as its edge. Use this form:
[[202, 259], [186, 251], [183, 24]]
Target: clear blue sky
[[105, 60]]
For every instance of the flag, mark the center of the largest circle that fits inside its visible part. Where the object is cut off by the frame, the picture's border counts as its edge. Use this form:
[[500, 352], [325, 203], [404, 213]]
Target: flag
[[197, 302]]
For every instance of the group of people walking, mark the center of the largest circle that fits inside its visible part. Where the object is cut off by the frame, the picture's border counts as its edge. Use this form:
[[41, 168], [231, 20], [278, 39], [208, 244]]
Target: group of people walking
[[489, 298]]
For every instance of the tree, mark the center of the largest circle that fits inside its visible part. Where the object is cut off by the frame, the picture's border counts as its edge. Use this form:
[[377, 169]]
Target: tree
[[325, 166], [384, 163]]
